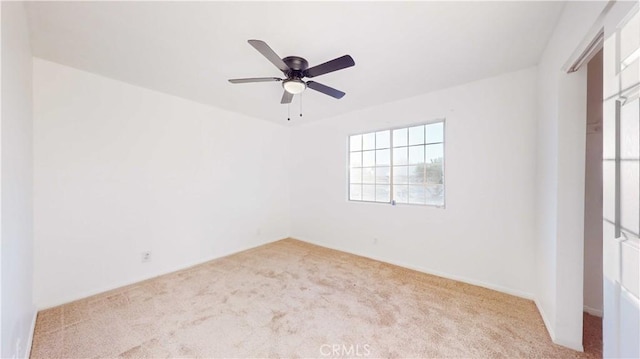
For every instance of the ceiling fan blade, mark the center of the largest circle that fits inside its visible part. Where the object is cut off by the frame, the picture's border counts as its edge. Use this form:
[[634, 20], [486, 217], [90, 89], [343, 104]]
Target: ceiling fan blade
[[267, 52], [325, 89], [254, 79], [330, 66], [286, 98]]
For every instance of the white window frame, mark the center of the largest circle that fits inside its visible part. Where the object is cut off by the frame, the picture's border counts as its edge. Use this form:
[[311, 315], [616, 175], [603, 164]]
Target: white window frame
[[392, 201]]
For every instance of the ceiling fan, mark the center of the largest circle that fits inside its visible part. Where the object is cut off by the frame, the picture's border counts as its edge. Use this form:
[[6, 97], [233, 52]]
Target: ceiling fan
[[296, 68]]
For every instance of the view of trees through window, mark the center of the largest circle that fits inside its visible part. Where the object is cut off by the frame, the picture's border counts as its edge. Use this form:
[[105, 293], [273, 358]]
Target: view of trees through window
[[403, 165]]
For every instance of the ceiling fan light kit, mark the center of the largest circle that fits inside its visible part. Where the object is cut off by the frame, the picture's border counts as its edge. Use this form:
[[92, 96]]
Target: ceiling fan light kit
[[296, 68], [294, 86]]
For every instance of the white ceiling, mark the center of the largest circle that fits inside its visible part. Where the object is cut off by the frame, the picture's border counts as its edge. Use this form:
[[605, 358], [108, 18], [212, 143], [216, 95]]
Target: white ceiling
[[190, 49]]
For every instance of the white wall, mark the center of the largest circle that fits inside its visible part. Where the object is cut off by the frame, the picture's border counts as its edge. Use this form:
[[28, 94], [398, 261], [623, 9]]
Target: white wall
[[572, 114], [16, 184], [593, 191], [120, 170], [560, 177], [485, 234]]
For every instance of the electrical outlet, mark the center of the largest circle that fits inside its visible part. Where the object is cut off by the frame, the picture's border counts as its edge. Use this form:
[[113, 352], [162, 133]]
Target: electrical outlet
[[146, 256]]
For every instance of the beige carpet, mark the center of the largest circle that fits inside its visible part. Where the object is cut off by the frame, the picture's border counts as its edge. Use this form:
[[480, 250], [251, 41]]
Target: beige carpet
[[292, 299]]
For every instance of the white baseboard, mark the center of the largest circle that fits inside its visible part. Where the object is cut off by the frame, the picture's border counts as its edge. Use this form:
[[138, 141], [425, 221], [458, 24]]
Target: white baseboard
[[155, 275], [593, 311], [545, 320], [31, 333], [498, 288], [552, 334]]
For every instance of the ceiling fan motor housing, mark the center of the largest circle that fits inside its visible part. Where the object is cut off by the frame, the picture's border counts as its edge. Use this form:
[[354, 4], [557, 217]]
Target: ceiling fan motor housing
[[297, 65]]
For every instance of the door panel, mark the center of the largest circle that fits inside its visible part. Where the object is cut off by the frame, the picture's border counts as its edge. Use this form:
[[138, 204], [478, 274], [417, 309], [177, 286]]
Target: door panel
[[621, 186], [629, 276], [629, 170]]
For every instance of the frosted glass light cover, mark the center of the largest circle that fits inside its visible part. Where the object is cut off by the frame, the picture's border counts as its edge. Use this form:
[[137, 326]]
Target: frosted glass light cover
[[294, 86]]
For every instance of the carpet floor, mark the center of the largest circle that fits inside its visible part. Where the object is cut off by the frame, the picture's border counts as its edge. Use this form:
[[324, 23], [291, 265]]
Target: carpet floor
[[293, 299]]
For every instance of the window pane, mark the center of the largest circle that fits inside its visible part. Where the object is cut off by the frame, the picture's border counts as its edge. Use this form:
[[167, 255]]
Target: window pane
[[417, 194], [435, 132], [416, 135], [400, 193], [369, 141], [383, 175], [400, 137], [410, 172], [355, 143], [368, 175], [368, 192], [383, 157], [400, 175], [355, 192], [368, 158], [435, 194], [356, 159], [382, 193], [434, 173], [416, 174], [416, 155], [434, 153], [355, 176], [382, 139], [400, 156]]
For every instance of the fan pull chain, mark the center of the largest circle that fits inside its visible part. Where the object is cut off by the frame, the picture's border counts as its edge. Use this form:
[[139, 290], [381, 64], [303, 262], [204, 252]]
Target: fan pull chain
[[289, 111], [300, 105]]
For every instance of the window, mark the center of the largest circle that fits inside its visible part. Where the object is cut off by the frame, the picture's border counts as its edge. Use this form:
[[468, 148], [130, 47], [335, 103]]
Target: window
[[402, 165]]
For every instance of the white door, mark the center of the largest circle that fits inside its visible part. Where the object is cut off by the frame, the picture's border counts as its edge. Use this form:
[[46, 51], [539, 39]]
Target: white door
[[621, 171]]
